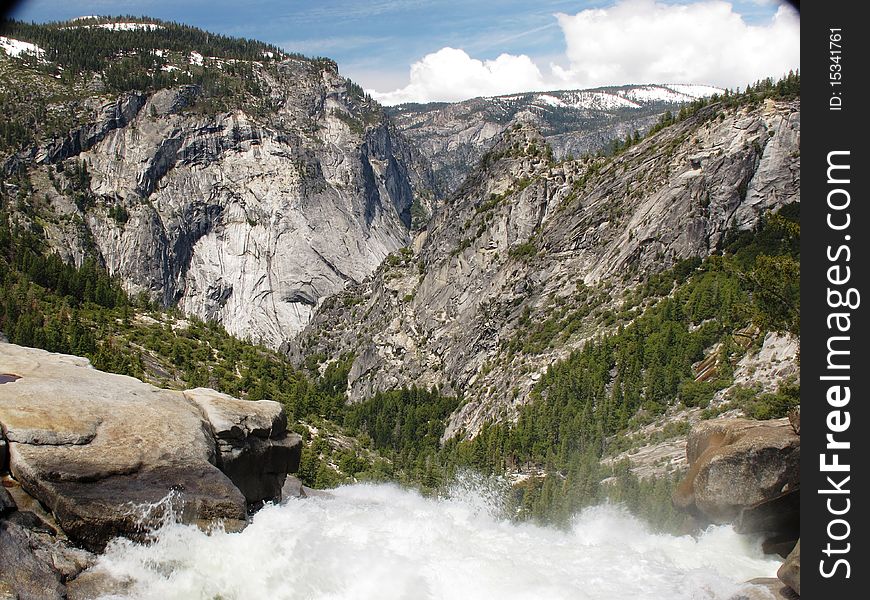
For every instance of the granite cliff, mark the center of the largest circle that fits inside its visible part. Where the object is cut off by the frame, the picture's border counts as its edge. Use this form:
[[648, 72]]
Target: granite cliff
[[248, 210]]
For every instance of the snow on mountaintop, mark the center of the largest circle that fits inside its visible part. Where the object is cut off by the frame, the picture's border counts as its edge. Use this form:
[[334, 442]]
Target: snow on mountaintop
[[118, 26], [673, 93], [548, 99], [14, 47], [696, 91], [579, 99], [654, 93], [597, 100], [614, 99], [130, 26]]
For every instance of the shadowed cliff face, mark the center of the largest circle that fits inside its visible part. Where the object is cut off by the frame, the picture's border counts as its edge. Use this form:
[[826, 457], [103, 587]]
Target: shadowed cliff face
[[525, 238], [249, 220]]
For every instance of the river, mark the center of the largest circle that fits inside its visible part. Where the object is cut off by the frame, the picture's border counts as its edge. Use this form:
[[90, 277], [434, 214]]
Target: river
[[380, 541]]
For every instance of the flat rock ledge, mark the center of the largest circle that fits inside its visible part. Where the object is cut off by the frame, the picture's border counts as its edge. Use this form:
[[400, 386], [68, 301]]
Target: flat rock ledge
[[103, 452]]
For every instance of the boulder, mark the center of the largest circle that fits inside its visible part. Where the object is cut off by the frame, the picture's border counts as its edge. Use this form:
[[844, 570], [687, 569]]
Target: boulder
[[790, 571], [4, 454], [34, 564], [103, 451], [293, 488], [254, 448], [738, 463], [30, 507]]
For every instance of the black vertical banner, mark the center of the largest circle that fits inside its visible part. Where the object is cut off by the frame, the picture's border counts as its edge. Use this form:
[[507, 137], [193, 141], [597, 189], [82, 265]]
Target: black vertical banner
[[835, 299]]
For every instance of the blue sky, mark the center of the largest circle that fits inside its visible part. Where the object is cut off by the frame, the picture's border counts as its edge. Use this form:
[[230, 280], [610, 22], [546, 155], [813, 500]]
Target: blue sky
[[454, 45]]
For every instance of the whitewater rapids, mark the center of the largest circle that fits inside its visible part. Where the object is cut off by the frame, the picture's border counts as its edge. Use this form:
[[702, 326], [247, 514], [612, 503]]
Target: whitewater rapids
[[383, 542]]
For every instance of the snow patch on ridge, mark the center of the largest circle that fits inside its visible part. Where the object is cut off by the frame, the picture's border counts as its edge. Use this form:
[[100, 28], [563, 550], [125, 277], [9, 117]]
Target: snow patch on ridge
[[16, 48], [695, 91]]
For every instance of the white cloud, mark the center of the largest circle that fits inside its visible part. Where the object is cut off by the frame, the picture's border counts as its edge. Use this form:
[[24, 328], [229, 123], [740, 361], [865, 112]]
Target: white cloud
[[642, 41], [632, 41], [450, 74]]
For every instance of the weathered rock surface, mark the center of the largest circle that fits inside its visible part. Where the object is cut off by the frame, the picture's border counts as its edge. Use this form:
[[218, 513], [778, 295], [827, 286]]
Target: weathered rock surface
[[794, 417], [736, 464], [109, 116], [7, 592], [292, 488], [790, 571], [525, 238], [25, 574], [254, 447], [96, 448], [36, 515], [94, 584]]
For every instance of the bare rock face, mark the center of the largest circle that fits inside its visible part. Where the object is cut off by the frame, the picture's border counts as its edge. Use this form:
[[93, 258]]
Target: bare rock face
[[790, 571], [777, 360], [778, 517], [738, 463], [254, 448], [96, 583], [104, 451]]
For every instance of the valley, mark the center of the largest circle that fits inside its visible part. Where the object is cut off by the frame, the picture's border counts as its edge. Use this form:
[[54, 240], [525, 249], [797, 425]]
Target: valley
[[547, 293]]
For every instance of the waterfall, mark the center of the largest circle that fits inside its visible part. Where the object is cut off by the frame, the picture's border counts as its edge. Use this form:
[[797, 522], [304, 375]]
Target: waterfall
[[380, 541]]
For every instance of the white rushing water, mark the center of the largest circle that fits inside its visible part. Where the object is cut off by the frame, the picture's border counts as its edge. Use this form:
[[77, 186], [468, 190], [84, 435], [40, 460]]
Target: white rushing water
[[387, 543]]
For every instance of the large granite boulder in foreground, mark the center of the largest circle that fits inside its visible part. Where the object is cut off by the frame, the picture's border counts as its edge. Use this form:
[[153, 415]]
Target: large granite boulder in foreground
[[736, 464], [748, 472], [104, 451]]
